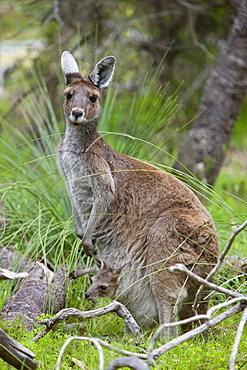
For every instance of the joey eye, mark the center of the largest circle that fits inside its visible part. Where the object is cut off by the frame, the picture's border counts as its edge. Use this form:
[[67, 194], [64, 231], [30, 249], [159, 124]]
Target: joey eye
[[93, 98], [103, 287], [68, 96]]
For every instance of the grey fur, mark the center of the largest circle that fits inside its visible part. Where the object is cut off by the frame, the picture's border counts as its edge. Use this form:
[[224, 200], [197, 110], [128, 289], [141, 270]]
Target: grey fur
[[103, 72], [137, 214]]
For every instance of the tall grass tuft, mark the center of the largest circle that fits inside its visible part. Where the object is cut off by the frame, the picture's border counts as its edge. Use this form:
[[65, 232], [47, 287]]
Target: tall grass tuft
[[32, 192]]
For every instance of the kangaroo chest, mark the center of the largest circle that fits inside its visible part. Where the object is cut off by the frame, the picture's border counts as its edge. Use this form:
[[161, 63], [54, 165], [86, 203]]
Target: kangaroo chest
[[78, 183]]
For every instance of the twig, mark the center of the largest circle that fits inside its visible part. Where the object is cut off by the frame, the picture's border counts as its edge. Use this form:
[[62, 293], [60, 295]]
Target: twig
[[98, 342], [154, 355], [204, 282], [219, 262], [7, 274], [131, 362], [186, 321], [15, 353], [194, 36], [124, 352], [199, 330], [115, 306], [56, 13], [95, 341], [237, 340]]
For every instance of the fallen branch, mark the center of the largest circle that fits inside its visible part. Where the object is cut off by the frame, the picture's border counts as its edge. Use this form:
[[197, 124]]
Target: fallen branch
[[15, 353], [100, 343], [131, 362], [95, 341], [41, 290], [151, 354], [154, 355], [115, 306], [219, 262], [7, 274], [37, 293], [237, 340], [204, 282]]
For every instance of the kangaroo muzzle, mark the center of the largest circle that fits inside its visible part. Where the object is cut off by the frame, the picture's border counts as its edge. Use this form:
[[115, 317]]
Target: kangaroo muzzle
[[77, 115]]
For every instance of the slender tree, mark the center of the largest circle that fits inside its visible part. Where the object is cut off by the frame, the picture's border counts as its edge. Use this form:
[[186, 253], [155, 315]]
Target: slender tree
[[204, 148]]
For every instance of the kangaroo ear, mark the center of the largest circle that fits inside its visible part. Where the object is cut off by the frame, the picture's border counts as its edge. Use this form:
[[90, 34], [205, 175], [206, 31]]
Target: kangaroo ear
[[69, 67], [103, 72], [101, 265], [119, 270]]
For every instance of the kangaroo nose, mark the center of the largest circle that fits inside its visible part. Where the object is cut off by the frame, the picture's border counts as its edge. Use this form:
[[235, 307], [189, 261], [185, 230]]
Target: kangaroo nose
[[87, 295], [77, 112]]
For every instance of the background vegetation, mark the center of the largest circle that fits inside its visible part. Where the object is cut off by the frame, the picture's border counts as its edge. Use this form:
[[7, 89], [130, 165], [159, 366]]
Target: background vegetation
[[164, 52]]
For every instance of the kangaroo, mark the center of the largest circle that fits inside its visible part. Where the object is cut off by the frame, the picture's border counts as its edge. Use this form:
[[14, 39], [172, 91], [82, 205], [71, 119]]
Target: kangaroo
[[104, 284], [130, 212]]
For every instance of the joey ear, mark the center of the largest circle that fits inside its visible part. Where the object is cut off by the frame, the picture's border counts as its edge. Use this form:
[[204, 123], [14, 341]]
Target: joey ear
[[119, 270], [69, 67], [103, 72], [101, 265]]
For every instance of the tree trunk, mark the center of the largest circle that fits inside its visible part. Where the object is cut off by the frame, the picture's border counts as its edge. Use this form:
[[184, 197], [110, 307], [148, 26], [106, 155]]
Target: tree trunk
[[205, 145], [40, 292]]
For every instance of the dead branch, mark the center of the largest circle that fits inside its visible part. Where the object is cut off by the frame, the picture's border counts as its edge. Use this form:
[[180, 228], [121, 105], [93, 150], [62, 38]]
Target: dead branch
[[200, 329], [98, 343], [237, 340], [7, 274], [131, 362], [155, 354], [95, 341], [204, 282], [220, 261], [115, 306], [11, 259], [40, 291], [15, 353]]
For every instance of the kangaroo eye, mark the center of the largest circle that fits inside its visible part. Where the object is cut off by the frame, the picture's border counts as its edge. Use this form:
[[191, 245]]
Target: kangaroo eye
[[93, 98], [103, 287], [68, 96]]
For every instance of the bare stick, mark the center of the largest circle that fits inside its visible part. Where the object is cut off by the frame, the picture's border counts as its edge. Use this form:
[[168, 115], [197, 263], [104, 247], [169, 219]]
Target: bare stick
[[200, 329], [237, 340], [98, 343], [115, 306], [131, 362], [204, 282], [95, 341], [186, 321], [15, 353], [121, 351], [219, 262], [153, 355], [7, 274]]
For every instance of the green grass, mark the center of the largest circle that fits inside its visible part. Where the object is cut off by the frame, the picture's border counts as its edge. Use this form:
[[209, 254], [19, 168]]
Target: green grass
[[194, 354], [40, 223]]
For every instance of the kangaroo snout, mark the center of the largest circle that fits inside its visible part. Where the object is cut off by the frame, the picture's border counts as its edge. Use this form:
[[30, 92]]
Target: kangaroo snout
[[87, 295], [77, 115]]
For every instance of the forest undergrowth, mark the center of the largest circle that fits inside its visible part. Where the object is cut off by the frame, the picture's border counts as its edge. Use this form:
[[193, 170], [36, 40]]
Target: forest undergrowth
[[38, 220]]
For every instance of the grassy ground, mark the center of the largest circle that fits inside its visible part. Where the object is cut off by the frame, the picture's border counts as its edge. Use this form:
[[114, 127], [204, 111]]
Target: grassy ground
[[39, 216]]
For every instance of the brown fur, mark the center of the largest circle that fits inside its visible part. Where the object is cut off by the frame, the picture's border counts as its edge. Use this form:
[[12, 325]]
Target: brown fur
[[135, 213]]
